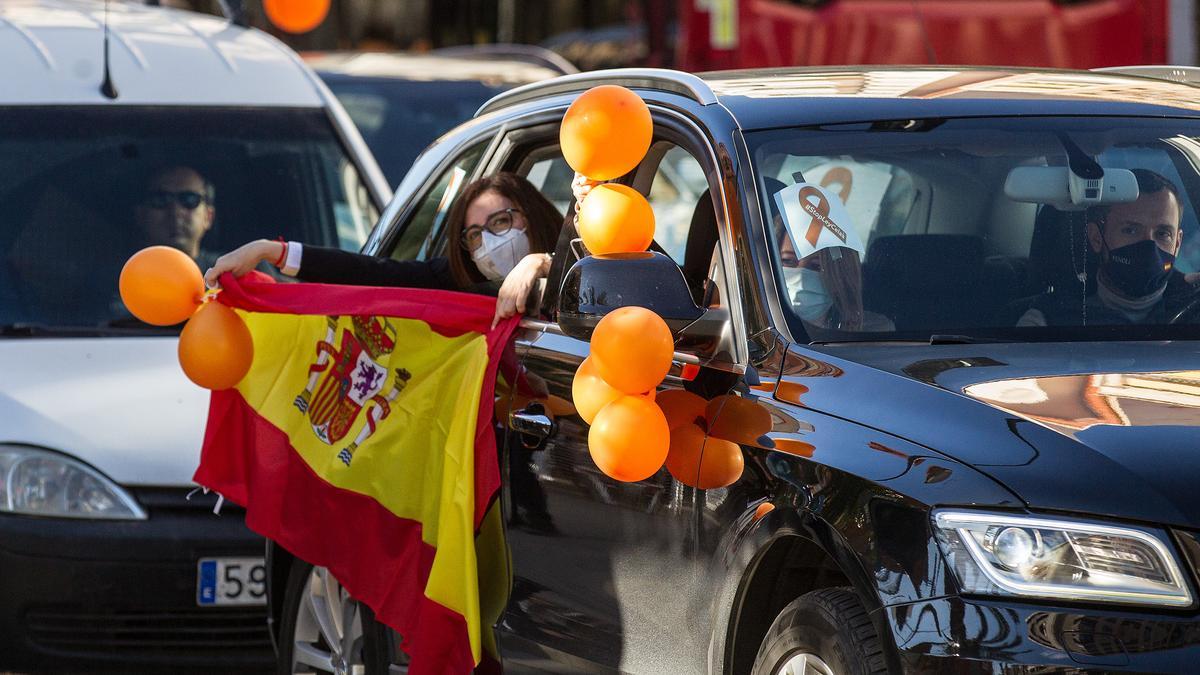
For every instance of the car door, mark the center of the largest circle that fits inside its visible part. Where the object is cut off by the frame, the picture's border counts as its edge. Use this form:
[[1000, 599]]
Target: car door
[[606, 574]]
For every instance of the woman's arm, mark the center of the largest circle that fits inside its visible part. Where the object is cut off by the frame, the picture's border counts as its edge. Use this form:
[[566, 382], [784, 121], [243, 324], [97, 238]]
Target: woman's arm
[[332, 266], [514, 292]]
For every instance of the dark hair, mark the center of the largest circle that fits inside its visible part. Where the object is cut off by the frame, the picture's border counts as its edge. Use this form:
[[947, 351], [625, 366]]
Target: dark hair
[[1148, 183], [543, 220], [210, 192]]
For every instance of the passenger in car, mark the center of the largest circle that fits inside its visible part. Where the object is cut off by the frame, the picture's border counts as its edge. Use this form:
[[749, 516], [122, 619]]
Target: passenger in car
[[501, 230], [825, 287], [177, 208], [1137, 282]]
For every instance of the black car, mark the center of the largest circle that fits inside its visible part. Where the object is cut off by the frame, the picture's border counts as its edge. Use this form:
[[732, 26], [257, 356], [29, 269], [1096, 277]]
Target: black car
[[964, 439]]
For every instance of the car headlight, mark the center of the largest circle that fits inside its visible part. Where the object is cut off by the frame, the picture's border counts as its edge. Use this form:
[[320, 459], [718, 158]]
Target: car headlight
[[43, 483], [1051, 558]]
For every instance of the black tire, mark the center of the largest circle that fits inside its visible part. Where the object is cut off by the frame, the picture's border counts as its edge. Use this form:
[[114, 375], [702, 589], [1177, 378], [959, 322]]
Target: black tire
[[376, 647], [830, 624]]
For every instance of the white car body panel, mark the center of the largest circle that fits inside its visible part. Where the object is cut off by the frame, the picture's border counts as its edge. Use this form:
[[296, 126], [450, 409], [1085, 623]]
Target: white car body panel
[[122, 405], [53, 53]]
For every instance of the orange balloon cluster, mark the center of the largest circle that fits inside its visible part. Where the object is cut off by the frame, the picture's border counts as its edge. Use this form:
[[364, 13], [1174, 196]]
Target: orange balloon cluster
[[613, 390], [296, 16], [162, 286], [604, 135]]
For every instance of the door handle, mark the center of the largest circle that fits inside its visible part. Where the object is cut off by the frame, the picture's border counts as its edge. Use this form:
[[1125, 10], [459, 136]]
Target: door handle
[[532, 422]]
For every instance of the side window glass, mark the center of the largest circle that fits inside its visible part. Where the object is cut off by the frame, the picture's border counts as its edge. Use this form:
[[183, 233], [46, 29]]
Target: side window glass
[[678, 184], [426, 223], [546, 169]]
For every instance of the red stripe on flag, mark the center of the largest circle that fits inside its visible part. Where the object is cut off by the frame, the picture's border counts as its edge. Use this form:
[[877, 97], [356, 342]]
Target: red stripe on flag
[[379, 557]]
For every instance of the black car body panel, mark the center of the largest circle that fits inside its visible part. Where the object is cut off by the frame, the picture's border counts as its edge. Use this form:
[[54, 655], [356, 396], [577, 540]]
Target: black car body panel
[[866, 441]]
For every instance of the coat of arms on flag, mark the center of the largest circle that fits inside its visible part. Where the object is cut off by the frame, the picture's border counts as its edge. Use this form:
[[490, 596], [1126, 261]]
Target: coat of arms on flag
[[370, 407]]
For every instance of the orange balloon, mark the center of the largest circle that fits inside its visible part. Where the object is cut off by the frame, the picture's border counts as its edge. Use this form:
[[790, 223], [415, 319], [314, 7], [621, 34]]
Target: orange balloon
[[703, 463], [215, 348], [615, 218], [296, 16], [629, 439], [590, 393], [737, 419], [606, 132], [161, 285], [632, 348], [680, 407]]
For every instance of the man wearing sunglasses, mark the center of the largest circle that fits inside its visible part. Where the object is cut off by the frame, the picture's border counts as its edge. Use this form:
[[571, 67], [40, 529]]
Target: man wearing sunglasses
[[176, 209]]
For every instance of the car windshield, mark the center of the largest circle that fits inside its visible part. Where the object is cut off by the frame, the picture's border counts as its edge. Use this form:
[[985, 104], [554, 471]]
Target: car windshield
[[957, 230], [398, 118], [83, 188]]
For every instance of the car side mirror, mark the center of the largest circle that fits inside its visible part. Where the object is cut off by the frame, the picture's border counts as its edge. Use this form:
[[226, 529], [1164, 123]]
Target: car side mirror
[[598, 284]]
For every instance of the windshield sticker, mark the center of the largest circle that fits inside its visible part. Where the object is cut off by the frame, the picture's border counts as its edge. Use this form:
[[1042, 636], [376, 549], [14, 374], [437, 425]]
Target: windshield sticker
[[860, 185], [815, 218]]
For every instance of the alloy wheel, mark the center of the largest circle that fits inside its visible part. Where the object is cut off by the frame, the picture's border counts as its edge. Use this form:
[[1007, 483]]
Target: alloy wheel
[[329, 631], [803, 663]]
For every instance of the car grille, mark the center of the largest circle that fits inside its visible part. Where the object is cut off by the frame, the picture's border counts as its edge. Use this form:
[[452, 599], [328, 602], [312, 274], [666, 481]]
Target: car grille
[[182, 500], [67, 630]]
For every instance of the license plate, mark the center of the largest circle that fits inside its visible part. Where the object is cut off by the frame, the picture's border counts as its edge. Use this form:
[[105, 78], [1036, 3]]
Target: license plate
[[231, 581]]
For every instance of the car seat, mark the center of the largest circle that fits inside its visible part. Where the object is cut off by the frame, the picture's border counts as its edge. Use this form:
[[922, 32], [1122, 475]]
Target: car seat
[[701, 242], [1058, 254], [925, 281]]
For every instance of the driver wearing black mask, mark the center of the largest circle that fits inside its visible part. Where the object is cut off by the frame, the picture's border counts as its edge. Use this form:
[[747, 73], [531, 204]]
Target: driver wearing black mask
[[1137, 283]]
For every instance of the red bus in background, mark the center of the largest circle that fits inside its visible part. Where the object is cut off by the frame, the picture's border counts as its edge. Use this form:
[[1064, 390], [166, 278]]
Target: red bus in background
[[721, 34]]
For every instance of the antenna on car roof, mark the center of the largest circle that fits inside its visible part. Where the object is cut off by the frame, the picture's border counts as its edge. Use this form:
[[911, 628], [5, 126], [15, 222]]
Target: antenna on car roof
[[929, 52], [107, 87]]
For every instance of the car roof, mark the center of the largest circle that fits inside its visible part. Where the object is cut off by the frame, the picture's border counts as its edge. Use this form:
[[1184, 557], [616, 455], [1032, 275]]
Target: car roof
[[52, 51], [430, 68], [779, 97]]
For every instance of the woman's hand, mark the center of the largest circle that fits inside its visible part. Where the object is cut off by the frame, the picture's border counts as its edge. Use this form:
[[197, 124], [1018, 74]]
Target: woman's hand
[[581, 186], [241, 260], [515, 290]]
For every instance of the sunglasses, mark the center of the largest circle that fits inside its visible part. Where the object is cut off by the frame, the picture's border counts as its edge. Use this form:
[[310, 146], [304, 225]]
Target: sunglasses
[[161, 199], [497, 223]]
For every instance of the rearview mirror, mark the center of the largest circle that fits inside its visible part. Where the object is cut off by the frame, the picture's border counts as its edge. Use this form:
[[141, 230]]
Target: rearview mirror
[[596, 285], [1062, 189]]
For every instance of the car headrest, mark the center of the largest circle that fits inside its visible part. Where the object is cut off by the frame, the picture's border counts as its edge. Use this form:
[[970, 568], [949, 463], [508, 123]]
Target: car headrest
[[701, 241], [1058, 250]]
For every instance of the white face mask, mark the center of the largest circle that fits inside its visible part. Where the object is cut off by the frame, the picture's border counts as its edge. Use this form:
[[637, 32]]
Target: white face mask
[[809, 297], [500, 253]]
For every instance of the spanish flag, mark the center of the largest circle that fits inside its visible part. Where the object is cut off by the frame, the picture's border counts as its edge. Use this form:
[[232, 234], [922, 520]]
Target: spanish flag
[[361, 441]]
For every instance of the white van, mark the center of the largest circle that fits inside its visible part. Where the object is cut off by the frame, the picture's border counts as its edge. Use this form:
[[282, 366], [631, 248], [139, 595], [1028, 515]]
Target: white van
[[104, 559]]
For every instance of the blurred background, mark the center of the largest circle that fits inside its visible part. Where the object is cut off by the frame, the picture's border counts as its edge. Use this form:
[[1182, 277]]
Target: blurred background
[[700, 35]]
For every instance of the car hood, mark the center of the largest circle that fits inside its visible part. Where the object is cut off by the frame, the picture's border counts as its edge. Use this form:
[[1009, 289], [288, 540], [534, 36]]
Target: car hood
[[1106, 428], [121, 405]]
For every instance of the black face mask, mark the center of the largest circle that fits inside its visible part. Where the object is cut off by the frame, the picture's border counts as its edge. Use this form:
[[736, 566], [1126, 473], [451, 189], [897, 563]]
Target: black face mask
[[1137, 270]]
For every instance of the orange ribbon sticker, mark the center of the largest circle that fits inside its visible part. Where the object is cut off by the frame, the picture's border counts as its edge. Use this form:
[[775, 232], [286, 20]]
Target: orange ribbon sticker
[[820, 215]]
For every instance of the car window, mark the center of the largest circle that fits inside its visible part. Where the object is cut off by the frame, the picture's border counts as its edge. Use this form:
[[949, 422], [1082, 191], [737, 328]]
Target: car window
[[678, 184], [83, 188], [398, 118], [971, 227], [549, 172], [419, 238]]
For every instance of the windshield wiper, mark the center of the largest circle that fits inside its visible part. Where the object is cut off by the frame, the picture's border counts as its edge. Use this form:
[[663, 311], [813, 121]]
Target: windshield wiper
[[950, 339]]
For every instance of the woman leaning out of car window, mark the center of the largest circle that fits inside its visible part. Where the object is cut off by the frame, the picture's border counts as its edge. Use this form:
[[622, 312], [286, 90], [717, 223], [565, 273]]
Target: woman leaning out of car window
[[501, 228]]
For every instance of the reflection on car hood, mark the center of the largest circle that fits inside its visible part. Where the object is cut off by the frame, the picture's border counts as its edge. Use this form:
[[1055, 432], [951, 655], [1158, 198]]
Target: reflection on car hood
[[122, 405], [1106, 428]]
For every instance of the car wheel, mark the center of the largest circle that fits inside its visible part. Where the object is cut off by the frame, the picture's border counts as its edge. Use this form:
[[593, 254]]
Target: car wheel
[[324, 630], [826, 632]]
